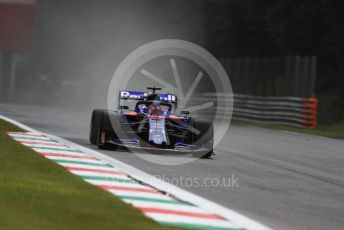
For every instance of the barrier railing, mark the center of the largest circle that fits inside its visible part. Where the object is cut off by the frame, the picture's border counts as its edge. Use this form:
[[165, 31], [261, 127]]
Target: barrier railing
[[292, 111], [299, 112]]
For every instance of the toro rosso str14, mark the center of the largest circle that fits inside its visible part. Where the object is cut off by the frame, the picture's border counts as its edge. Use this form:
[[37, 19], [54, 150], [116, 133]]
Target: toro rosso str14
[[152, 125]]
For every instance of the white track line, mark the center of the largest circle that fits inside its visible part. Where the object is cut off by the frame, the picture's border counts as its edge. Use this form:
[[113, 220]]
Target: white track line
[[191, 220], [233, 216]]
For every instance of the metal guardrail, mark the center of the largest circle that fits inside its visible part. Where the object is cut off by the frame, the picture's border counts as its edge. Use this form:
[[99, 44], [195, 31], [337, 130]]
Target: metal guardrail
[[299, 112], [292, 111]]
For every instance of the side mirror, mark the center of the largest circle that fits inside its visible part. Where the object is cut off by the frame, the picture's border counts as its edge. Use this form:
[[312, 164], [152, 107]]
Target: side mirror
[[185, 112]]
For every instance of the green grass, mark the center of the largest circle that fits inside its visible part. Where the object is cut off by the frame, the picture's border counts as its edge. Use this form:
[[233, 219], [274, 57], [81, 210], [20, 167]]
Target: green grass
[[36, 193], [332, 131]]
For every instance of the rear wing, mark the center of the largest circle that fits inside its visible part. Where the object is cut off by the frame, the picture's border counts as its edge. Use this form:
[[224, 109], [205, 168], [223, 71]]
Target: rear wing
[[165, 97], [132, 95], [136, 95]]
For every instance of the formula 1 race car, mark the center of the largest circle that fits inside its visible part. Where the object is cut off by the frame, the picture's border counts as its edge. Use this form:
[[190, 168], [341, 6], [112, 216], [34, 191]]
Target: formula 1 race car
[[151, 126]]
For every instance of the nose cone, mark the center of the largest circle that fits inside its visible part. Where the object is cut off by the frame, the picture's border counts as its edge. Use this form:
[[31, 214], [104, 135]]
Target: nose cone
[[157, 132]]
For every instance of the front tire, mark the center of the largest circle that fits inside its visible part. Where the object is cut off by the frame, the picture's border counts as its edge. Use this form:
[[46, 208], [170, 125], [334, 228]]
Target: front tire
[[95, 125], [205, 138], [106, 129]]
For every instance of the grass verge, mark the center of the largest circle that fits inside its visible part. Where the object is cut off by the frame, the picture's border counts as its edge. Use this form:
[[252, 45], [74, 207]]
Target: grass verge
[[332, 131], [36, 193]]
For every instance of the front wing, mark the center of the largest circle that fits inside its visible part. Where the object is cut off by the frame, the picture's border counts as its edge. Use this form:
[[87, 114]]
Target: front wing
[[134, 144]]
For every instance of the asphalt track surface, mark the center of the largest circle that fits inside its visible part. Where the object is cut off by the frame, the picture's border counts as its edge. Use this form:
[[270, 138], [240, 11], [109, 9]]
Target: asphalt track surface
[[284, 180]]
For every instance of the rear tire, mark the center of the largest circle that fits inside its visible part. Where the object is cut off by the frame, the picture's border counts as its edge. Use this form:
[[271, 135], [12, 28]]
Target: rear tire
[[205, 138]]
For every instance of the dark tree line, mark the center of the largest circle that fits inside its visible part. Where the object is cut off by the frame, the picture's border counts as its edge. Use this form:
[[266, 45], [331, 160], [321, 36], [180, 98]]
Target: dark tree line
[[263, 28]]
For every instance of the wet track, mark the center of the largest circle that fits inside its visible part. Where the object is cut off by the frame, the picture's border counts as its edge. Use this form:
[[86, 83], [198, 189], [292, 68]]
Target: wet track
[[285, 180]]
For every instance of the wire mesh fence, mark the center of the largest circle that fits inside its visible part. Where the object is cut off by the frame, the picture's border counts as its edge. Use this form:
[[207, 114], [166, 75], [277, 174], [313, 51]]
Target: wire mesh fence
[[273, 76], [274, 90]]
